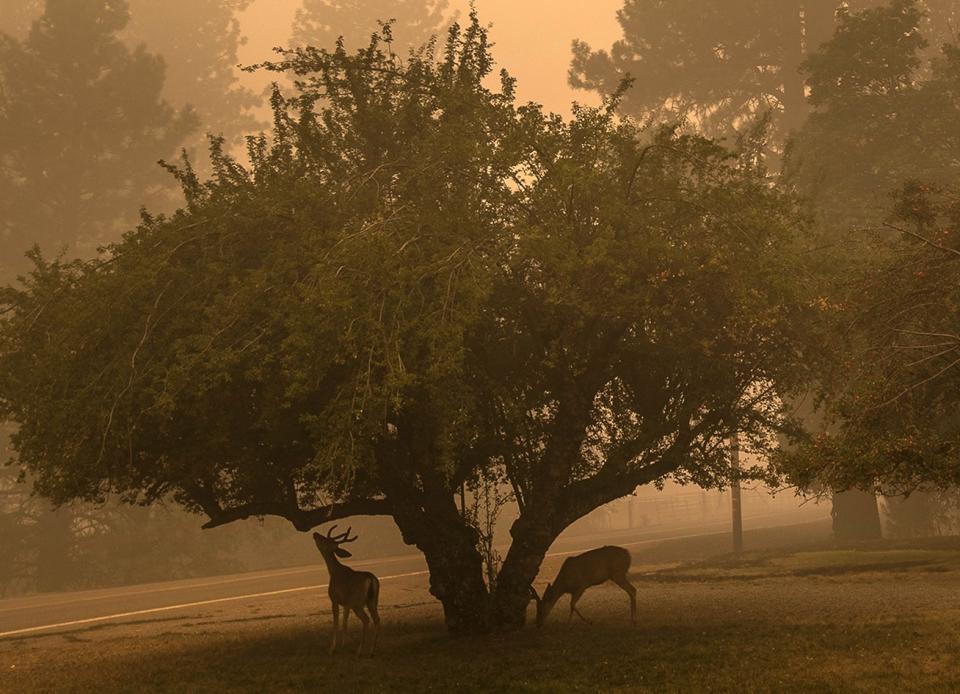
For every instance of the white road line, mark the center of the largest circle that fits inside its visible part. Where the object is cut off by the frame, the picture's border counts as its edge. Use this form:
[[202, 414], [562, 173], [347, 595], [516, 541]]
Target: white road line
[[259, 576], [132, 593], [295, 590], [167, 608]]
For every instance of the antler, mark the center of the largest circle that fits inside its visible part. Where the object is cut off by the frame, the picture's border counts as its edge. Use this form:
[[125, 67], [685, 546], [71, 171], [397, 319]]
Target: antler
[[342, 537], [337, 537]]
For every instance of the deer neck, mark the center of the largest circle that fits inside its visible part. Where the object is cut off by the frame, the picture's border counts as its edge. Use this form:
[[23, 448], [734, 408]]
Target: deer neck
[[333, 564]]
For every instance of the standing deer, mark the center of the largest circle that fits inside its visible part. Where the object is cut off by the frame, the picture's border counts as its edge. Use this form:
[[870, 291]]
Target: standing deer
[[354, 590], [582, 571]]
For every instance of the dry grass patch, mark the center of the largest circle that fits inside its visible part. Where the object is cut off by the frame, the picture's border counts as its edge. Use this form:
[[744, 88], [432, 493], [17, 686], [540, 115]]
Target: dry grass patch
[[774, 622]]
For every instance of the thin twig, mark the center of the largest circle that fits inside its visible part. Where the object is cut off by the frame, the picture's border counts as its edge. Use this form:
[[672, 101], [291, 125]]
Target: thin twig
[[917, 385], [921, 237]]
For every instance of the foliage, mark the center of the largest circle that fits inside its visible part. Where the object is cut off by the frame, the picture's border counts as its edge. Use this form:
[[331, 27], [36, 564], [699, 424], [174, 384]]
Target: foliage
[[81, 125], [883, 115], [893, 394], [289, 289], [413, 284], [882, 118], [76, 134]]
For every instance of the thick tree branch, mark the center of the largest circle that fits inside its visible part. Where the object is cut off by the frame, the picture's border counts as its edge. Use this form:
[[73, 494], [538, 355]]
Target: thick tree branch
[[607, 485], [302, 519]]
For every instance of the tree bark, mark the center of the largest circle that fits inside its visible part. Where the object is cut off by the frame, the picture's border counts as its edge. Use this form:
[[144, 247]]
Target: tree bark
[[456, 580], [451, 549], [807, 25], [531, 540]]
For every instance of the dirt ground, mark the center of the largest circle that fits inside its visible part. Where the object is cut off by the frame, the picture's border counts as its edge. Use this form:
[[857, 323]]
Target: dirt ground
[[878, 618]]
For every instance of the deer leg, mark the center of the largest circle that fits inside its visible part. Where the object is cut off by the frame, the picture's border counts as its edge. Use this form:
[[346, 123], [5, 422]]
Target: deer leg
[[632, 592], [346, 617], [365, 620], [372, 606], [336, 627], [573, 606]]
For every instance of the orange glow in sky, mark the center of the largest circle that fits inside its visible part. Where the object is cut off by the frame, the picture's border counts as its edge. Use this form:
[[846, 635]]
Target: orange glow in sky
[[532, 39]]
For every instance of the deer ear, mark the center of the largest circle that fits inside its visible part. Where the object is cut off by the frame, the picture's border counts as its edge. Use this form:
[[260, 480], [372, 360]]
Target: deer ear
[[340, 552], [316, 536]]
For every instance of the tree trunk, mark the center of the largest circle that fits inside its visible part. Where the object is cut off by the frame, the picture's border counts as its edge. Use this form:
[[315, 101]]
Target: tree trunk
[[820, 21], [456, 580], [856, 517], [424, 507], [807, 25], [794, 84], [453, 558], [531, 540]]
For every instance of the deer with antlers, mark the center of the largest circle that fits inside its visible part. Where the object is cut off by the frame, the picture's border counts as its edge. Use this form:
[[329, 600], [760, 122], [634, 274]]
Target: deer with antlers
[[353, 590], [583, 571]]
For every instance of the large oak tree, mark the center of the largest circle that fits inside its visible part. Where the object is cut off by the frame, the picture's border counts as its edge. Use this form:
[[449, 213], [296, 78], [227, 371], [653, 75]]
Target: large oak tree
[[415, 282]]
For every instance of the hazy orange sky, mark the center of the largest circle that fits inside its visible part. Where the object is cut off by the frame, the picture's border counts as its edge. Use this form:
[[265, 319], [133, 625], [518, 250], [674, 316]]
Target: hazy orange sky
[[532, 39]]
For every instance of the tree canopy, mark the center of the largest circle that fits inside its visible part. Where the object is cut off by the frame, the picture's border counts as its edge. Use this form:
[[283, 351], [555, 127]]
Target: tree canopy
[[198, 43], [416, 281]]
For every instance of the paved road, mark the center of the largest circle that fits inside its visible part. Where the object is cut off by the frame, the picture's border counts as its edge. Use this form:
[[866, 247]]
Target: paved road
[[51, 612]]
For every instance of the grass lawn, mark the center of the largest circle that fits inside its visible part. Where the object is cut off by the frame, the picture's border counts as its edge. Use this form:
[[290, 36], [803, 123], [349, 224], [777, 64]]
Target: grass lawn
[[873, 620]]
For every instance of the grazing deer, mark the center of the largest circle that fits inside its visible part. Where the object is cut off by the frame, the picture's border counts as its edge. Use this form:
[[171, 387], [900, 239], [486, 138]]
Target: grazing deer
[[582, 571], [354, 590]]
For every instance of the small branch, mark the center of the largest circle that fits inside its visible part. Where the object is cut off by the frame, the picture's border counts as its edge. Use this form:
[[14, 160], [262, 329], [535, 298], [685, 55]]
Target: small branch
[[148, 325], [920, 237], [916, 385], [955, 338], [931, 356]]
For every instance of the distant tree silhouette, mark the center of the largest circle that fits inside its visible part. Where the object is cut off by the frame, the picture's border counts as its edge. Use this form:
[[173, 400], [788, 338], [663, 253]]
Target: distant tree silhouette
[[198, 41], [717, 61], [879, 155], [19, 15], [82, 125], [321, 22], [720, 62], [882, 93], [884, 110]]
